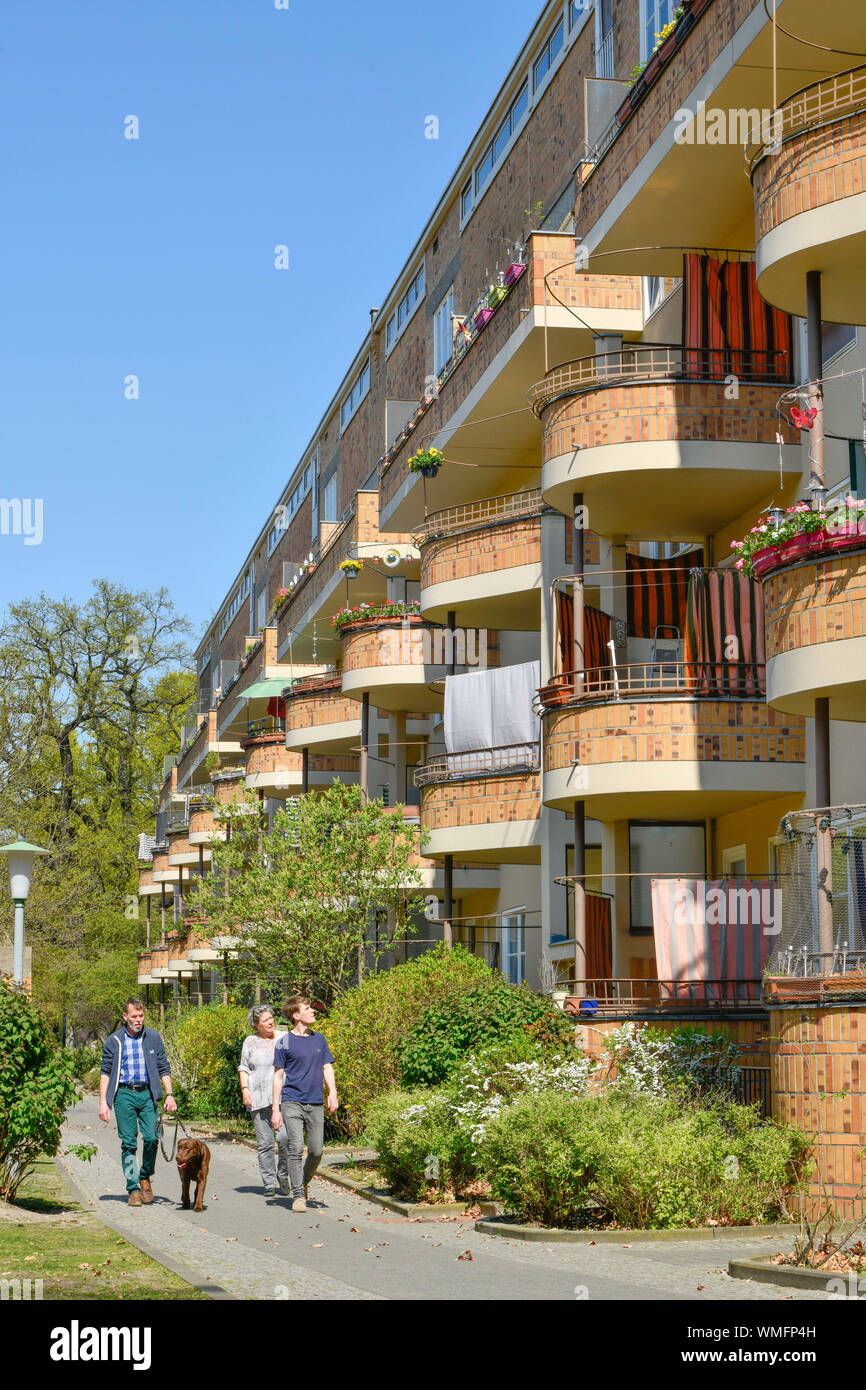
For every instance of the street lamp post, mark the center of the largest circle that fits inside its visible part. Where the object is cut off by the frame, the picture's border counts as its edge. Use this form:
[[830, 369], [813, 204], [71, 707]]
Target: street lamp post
[[21, 857]]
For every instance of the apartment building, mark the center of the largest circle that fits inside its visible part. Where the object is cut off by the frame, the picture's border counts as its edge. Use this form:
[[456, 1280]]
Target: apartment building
[[646, 263]]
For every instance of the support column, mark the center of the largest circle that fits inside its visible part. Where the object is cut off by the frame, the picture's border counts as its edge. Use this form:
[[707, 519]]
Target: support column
[[822, 752], [817, 476], [578, 594], [147, 928], [162, 1001], [365, 739], [579, 896], [305, 770], [448, 925], [397, 741], [162, 913]]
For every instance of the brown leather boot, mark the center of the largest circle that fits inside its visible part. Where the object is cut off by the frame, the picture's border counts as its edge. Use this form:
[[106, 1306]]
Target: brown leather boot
[[146, 1191], [134, 1199]]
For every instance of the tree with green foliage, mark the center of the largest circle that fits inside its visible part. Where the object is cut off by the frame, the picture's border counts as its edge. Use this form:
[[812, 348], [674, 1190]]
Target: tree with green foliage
[[92, 697], [330, 887], [36, 1086]]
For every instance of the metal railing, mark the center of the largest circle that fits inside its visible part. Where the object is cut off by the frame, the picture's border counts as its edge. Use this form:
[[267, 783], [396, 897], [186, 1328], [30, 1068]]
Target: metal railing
[[710, 680], [820, 102], [268, 725], [614, 995], [645, 362], [469, 516], [312, 685], [808, 964], [604, 56], [479, 762]]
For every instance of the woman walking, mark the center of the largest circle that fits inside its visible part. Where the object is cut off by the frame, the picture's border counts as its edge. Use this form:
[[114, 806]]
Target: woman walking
[[256, 1072]]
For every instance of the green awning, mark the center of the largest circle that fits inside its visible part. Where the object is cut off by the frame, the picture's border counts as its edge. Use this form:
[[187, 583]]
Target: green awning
[[265, 690]]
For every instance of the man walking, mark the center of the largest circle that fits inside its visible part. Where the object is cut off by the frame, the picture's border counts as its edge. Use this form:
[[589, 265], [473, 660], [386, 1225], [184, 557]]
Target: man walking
[[302, 1060], [134, 1072]]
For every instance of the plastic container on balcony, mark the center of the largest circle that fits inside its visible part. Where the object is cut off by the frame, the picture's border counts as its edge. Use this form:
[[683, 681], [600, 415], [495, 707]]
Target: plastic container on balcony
[[844, 536], [482, 316], [513, 273], [797, 548], [496, 295]]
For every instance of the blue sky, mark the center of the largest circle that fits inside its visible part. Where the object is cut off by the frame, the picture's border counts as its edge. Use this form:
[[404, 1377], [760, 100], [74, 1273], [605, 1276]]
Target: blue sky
[[155, 257]]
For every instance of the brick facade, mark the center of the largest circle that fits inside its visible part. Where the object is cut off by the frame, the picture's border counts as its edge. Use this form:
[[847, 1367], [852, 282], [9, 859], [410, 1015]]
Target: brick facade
[[400, 642], [813, 169], [809, 604], [481, 801], [672, 731]]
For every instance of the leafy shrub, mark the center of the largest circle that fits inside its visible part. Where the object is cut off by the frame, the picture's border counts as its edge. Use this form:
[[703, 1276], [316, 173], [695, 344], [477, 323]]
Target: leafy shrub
[[367, 1024], [82, 1060], [638, 1159], [449, 1030], [90, 1079], [653, 1061], [486, 1082], [193, 1046], [36, 1085], [407, 1128]]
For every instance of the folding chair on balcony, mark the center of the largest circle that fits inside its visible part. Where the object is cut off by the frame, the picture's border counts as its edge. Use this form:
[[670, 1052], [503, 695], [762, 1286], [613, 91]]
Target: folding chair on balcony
[[665, 660]]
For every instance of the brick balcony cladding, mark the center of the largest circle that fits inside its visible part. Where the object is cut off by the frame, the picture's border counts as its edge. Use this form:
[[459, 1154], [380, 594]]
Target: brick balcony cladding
[[714, 30], [824, 601], [672, 731], [316, 710], [481, 801], [668, 410], [507, 545], [814, 169]]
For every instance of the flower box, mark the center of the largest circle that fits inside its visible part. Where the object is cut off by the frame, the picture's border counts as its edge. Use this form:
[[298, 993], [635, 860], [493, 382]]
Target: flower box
[[482, 316], [496, 296], [513, 273], [845, 535], [797, 548], [765, 560], [792, 987]]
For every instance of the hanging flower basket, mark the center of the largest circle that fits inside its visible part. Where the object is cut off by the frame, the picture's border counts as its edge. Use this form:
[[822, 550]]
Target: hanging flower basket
[[351, 568], [427, 462]]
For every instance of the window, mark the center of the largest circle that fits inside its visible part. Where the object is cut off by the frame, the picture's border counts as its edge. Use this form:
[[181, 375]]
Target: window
[[204, 659], [443, 333], [329, 499], [604, 38], [656, 14], [857, 467], [288, 507], [358, 391], [545, 60], [237, 599], [466, 200], [405, 309], [660, 850], [507, 129], [576, 10], [734, 862], [262, 609], [514, 947]]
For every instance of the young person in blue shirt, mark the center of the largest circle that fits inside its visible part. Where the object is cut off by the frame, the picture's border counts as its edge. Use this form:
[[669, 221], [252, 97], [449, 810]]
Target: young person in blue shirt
[[302, 1061]]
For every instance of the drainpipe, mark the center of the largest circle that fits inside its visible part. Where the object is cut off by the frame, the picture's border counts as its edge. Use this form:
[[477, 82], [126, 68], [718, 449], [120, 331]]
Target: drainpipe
[[365, 739], [448, 929], [305, 770], [579, 806]]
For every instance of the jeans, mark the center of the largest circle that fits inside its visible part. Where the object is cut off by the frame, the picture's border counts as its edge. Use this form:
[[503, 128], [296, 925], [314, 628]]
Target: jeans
[[265, 1140], [134, 1110], [300, 1120]]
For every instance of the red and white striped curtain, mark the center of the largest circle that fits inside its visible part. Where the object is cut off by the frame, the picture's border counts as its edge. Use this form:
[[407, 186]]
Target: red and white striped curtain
[[714, 930]]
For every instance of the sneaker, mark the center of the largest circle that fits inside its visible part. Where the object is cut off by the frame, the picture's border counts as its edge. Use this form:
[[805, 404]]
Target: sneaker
[[146, 1191], [134, 1199], [270, 1192], [299, 1204], [286, 1189]]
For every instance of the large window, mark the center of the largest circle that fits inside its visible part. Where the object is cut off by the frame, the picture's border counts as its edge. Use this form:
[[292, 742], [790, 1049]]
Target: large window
[[514, 947], [406, 307], [857, 467], [359, 389], [503, 136], [660, 850], [329, 499], [443, 332], [547, 57], [240, 593], [592, 883], [655, 15], [288, 507], [576, 10]]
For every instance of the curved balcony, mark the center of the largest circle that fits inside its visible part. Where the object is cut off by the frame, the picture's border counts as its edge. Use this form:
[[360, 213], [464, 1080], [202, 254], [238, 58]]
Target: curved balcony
[[661, 743], [319, 715], [809, 183], [146, 886], [396, 660], [815, 633], [143, 975], [176, 962], [277, 771], [482, 561], [653, 443], [203, 823], [181, 851], [159, 970], [484, 804]]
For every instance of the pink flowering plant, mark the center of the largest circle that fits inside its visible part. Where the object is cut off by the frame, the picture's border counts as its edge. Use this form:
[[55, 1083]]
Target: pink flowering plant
[[369, 612], [799, 520]]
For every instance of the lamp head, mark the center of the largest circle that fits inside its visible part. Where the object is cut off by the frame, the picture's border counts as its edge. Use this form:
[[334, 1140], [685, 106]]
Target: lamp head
[[21, 857]]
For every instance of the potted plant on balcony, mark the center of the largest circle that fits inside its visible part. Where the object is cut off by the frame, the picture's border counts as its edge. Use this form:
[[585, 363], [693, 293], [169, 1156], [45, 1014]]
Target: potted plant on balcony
[[846, 526], [482, 314], [351, 567], [427, 462], [514, 272]]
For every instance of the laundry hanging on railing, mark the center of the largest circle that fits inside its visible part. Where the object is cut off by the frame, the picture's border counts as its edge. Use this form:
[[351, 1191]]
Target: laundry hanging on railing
[[724, 638], [725, 319], [492, 708], [596, 635], [709, 930], [657, 591]]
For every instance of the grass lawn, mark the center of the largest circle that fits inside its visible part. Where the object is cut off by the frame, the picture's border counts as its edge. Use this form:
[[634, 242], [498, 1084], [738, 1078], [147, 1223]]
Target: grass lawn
[[74, 1254]]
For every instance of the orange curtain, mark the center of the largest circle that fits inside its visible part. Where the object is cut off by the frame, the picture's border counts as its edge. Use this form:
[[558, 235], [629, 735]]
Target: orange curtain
[[725, 319]]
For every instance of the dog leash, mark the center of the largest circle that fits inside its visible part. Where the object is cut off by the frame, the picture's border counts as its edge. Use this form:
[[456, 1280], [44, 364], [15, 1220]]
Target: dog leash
[[160, 1129]]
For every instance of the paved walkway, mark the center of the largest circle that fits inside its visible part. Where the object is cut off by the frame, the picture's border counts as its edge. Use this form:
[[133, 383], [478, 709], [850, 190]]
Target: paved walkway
[[346, 1248]]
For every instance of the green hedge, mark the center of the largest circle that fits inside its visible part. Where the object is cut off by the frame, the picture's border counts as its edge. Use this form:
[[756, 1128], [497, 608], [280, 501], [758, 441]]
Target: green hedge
[[36, 1086], [201, 1047]]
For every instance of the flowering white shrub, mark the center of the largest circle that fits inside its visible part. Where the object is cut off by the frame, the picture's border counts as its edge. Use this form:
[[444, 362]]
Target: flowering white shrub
[[652, 1062]]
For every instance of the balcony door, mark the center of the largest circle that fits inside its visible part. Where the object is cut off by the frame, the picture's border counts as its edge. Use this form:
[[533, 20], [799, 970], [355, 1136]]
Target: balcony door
[[514, 947]]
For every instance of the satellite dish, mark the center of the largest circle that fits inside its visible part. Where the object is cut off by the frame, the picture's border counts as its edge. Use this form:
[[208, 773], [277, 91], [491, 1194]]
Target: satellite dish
[[392, 559]]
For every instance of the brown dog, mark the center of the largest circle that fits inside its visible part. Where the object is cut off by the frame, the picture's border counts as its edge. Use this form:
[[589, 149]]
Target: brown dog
[[193, 1161]]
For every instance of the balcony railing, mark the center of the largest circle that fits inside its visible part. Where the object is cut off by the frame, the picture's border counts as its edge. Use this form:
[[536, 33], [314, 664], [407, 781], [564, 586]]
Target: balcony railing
[[668, 996], [471, 515], [480, 762], [657, 362], [814, 105], [314, 685], [256, 728], [691, 680]]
